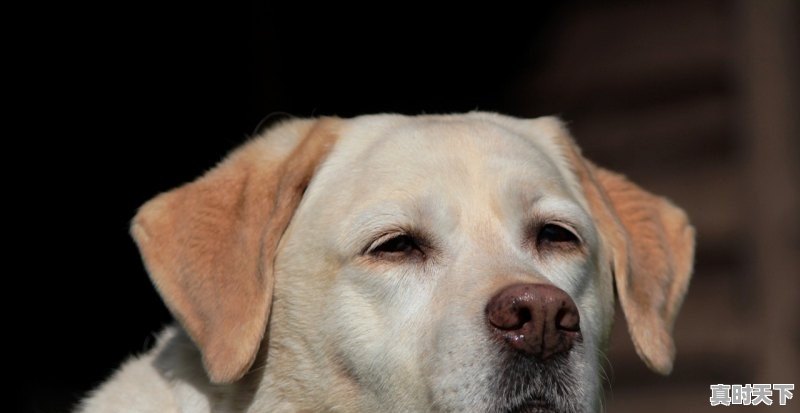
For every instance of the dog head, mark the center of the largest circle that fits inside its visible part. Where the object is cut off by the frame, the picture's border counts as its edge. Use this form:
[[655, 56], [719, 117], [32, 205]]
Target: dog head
[[453, 263]]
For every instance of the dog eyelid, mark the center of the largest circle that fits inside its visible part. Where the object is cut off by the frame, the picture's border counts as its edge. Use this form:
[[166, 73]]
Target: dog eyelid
[[548, 236], [558, 232], [396, 245]]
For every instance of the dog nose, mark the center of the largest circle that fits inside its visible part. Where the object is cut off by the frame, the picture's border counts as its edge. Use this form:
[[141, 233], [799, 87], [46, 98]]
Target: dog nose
[[538, 319]]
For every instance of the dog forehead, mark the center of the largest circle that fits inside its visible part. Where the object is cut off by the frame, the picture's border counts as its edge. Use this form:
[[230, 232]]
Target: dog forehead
[[438, 170], [448, 149]]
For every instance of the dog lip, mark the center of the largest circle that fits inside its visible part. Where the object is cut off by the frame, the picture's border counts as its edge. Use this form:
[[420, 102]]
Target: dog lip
[[528, 384]]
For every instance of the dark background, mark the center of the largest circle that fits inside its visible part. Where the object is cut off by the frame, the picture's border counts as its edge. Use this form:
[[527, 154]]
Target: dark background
[[695, 100]]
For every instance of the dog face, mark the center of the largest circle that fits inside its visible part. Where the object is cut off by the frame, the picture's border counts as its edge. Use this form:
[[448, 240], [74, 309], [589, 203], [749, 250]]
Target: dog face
[[447, 263]]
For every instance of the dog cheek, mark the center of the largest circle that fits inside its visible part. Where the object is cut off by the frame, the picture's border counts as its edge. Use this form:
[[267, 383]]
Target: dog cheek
[[460, 362], [375, 324], [589, 284], [351, 322]]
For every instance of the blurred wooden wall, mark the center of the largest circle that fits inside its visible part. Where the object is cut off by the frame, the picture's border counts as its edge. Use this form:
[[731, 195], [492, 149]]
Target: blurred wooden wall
[[696, 100]]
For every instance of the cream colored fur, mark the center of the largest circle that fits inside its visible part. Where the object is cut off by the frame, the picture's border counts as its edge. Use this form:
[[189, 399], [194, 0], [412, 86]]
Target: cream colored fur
[[350, 333]]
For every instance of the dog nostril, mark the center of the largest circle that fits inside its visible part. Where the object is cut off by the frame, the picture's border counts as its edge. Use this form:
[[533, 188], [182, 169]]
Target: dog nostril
[[509, 315], [523, 316], [567, 318]]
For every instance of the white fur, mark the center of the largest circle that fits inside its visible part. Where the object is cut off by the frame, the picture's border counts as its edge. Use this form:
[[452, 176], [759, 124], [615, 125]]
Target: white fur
[[345, 335]]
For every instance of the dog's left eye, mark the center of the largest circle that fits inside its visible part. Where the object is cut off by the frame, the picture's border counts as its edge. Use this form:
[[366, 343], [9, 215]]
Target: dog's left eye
[[556, 234], [398, 246]]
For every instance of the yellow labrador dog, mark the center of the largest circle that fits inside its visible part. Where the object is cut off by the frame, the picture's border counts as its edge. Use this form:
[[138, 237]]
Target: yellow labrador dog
[[460, 263]]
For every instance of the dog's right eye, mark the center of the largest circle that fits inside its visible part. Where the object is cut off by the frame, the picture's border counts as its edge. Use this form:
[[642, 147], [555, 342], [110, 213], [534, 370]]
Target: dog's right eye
[[397, 247]]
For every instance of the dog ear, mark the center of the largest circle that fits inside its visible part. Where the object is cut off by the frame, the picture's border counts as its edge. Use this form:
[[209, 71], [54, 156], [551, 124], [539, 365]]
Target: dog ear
[[209, 245], [652, 247], [653, 252]]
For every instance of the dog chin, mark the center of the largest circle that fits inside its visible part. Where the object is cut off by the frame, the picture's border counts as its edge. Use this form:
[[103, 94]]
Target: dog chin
[[527, 385]]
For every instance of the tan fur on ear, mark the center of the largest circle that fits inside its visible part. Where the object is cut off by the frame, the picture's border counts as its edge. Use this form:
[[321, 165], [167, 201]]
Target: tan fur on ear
[[652, 246], [653, 266], [209, 245]]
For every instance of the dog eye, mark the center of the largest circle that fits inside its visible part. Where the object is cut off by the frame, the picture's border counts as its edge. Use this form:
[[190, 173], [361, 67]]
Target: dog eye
[[556, 234], [398, 246]]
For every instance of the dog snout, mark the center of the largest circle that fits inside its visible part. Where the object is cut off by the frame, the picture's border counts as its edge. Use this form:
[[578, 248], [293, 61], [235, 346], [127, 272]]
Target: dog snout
[[537, 319]]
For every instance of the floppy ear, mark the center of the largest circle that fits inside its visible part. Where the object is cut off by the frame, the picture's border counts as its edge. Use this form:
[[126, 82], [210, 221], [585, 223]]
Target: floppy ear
[[209, 245], [653, 250]]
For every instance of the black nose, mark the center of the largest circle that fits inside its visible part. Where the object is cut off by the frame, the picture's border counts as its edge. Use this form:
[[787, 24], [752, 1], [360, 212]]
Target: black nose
[[538, 319]]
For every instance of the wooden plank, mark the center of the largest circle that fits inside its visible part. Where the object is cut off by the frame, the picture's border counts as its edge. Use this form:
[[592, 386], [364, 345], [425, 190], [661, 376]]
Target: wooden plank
[[678, 134], [769, 76], [633, 52]]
